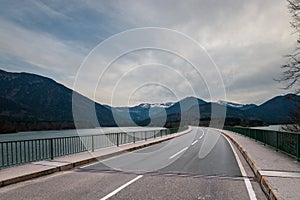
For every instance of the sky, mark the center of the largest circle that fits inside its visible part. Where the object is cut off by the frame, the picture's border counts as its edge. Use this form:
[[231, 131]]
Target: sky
[[123, 53]]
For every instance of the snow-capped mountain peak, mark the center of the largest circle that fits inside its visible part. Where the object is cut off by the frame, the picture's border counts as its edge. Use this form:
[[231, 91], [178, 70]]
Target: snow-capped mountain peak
[[236, 105], [156, 105], [226, 103]]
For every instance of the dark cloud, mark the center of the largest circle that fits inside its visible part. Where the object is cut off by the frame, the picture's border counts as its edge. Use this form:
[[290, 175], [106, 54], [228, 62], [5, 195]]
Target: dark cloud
[[246, 40]]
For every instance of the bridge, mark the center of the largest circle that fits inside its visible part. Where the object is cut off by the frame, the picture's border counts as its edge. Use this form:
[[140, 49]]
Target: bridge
[[197, 163]]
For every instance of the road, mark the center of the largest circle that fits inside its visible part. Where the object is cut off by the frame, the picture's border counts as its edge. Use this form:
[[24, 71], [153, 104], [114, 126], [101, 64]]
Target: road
[[199, 165]]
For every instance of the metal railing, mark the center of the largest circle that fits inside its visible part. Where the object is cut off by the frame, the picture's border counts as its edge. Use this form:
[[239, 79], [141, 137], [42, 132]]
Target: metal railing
[[25, 151], [286, 142]]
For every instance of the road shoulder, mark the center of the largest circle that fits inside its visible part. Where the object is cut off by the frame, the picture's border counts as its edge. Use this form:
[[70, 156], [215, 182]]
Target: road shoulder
[[263, 158]]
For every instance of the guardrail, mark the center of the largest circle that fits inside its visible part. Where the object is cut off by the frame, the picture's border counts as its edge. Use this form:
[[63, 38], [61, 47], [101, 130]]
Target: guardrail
[[286, 142], [25, 151]]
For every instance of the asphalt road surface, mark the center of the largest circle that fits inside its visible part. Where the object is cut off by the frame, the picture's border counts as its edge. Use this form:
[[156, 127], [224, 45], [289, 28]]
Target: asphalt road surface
[[199, 165]]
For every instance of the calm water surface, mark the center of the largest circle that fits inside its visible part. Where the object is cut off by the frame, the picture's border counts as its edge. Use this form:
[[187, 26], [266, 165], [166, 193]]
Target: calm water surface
[[66, 133], [271, 128]]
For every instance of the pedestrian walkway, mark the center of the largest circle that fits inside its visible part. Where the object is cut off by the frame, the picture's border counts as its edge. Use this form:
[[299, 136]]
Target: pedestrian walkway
[[279, 174], [36, 169]]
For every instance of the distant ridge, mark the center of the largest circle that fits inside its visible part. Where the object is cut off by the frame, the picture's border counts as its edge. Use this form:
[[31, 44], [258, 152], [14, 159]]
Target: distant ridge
[[236, 105], [33, 102], [32, 98]]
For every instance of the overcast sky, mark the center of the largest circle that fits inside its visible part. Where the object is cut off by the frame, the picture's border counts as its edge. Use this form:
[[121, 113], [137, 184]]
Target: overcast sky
[[242, 44]]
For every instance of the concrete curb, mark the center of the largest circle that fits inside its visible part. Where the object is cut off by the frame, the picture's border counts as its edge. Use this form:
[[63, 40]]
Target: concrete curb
[[29, 176], [264, 183], [68, 166]]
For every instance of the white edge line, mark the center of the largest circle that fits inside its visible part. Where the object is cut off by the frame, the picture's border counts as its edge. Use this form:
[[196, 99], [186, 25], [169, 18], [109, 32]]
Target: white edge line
[[194, 142], [246, 179], [121, 187], [178, 152]]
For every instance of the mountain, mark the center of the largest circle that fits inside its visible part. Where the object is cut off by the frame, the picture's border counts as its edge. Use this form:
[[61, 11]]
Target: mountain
[[184, 105], [33, 102], [236, 105], [32, 98], [204, 111], [277, 110], [156, 105], [142, 112]]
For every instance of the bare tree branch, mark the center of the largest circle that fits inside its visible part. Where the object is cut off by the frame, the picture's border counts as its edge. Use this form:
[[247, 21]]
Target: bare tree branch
[[291, 70]]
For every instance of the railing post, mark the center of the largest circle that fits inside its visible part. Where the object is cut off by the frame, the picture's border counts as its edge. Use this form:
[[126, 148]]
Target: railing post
[[51, 149], [264, 137], [145, 133], [277, 142], [133, 137], [2, 154], [93, 148], [117, 139], [154, 134], [298, 145]]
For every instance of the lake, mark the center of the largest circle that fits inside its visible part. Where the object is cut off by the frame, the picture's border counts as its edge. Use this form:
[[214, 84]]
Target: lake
[[73, 132], [270, 127]]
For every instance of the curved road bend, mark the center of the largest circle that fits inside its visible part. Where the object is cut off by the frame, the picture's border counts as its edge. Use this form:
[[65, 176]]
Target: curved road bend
[[199, 165]]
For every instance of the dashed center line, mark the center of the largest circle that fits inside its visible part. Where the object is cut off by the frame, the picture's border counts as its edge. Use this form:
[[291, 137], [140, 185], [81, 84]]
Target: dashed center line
[[194, 142], [202, 134], [121, 187], [179, 152]]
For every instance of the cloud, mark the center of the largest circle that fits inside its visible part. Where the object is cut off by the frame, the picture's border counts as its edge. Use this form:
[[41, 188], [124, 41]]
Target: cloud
[[39, 50], [246, 39]]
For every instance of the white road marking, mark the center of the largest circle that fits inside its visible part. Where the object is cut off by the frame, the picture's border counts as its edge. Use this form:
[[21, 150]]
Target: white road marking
[[246, 180], [113, 157], [202, 134], [194, 142], [121, 187], [280, 173], [179, 152]]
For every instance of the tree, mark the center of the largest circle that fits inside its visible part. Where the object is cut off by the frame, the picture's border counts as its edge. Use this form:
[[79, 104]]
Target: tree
[[291, 70]]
